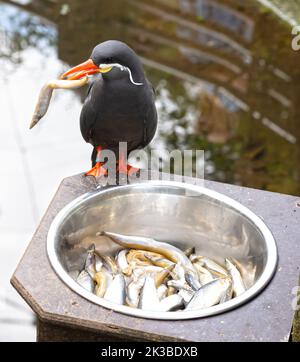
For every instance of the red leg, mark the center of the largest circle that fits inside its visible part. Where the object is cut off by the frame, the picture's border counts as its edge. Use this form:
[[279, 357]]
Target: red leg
[[125, 168], [98, 169]]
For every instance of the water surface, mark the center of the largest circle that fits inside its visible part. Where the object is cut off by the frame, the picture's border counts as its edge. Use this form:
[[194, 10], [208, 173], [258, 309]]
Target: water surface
[[226, 78]]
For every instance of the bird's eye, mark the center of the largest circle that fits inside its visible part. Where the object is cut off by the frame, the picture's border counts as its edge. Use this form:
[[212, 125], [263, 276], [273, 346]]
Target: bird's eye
[[108, 60]]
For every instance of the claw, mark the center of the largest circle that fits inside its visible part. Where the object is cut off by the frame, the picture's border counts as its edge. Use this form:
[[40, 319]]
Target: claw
[[122, 166], [131, 170], [97, 171], [126, 168]]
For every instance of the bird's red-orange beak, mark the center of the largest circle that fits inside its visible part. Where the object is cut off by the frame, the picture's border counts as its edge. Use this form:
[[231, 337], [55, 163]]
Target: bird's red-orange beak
[[81, 70]]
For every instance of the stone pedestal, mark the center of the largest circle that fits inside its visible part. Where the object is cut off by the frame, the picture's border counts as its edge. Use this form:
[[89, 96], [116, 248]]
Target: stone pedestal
[[65, 316]]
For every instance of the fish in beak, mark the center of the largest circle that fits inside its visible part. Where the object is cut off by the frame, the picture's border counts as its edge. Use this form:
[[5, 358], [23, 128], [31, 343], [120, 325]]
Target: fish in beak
[[74, 78], [86, 68], [46, 94]]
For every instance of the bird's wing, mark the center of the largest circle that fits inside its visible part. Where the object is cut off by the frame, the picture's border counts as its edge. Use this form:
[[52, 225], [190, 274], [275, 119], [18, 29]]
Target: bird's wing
[[88, 116], [150, 120], [87, 120], [152, 88], [89, 88]]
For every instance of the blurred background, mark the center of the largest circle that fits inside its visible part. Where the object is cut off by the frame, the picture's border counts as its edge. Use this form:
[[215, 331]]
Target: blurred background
[[227, 82]]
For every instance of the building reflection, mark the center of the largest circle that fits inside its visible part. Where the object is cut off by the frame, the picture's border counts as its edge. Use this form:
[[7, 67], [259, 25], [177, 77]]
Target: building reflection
[[239, 77]]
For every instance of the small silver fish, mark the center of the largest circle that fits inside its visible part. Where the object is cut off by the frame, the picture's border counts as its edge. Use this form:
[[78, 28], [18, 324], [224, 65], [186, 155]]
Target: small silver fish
[[171, 303], [86, 281], [186, 295], [121, 261], [238, 285], [168, 250], [205, 276], [159, 261], [162, 291], [138, 278], [171, 290], [98, 263], [133, 291], [108, 262], [208, 295], [46, 94], [149, 298], [227, 293], [149, 269], [116, 292], [103, 279], [178, 273], [137, 257], [184, 290], [161, 277], [210, 264], [189, 278], [142, 271]]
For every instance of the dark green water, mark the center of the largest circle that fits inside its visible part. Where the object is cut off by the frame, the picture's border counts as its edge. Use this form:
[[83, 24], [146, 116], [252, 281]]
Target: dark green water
[[226, 77]]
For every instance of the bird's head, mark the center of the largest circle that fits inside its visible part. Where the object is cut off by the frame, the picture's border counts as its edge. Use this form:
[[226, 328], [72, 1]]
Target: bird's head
[[107, 56]]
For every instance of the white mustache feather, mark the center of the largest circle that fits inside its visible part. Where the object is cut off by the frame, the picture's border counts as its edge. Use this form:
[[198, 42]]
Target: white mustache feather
[[122, 68]]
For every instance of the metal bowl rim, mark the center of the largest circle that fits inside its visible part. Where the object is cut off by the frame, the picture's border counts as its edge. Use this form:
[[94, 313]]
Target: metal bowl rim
[[260, 284]]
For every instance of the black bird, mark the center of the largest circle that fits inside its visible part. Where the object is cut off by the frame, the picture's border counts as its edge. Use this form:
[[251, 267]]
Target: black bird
[[120, 103]]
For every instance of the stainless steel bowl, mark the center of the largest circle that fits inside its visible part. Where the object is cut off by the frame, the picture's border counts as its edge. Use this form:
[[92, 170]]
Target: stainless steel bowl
[[178, 213]]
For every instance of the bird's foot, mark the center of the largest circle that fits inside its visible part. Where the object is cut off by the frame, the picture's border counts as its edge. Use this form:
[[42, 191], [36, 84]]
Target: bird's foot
[[126, 169], [97, 171]]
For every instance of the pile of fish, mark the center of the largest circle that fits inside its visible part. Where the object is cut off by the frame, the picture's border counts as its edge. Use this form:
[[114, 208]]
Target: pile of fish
[[157, 276]]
